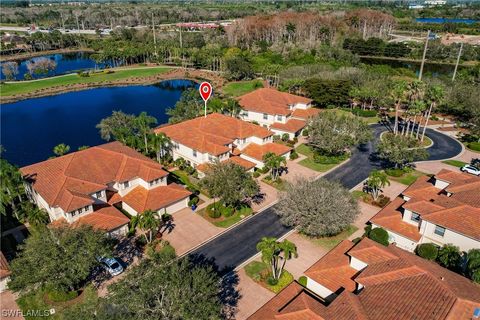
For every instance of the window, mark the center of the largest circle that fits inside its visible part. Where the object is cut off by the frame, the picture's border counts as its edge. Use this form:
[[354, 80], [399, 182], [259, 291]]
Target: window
[[194, 152], [439, 231], [98, 194], [73, 213], [415, 217], [80, 210], [126, 184], [245, 114], [265, 116], [279, 118]]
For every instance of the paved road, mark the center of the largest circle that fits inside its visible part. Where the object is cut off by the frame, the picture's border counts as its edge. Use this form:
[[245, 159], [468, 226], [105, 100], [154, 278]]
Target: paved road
[[237, 245]]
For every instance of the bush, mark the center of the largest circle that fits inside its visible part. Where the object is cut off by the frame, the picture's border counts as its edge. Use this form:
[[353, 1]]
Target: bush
[[303, 281], [285, 137], [193, 201], [322, 159], [60, 296], [427, 251], [364, 113], [140, 242], [295, 140], [367, 229], [272, 281], [256, 174], [166, 217], [382, 201], [83, 74], [357, 240], [214, 210], [474, 146], [379, 235], [227, 211], [27, 76], [305, 132], [293, 155], [276, 137], [395, 172]]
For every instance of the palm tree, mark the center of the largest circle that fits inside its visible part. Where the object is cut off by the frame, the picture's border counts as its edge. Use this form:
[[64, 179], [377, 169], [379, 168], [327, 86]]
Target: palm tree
[[12, 189], [233, 107], [149, 221], [160, 144], [144, 122], [274, 251], [61, 149], [398, 95], [473, 264], [376, 181], [35, 215], [435, 94], [450, 257], [274, 162]]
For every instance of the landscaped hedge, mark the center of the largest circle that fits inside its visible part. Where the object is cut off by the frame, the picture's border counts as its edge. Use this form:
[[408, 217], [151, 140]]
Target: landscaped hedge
[[364, 113], [379, 235], [303, 281], [427, 251], [394, 172], [322, 159], [474, 146]]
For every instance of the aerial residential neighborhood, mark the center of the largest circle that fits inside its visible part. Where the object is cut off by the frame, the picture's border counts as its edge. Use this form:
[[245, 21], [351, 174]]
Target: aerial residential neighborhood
[[240, 160]]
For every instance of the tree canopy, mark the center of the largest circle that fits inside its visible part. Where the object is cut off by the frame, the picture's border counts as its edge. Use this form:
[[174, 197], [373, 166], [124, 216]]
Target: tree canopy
[[188, 107], [396, 151], [318, 208]]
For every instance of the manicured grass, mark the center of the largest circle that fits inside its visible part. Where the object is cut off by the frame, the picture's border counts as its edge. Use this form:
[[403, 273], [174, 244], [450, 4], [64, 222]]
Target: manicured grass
[[358, 194], [426, 142], [36, 301], [225, 222], [309, 162], [331, 242], [259, 272], [369, 120], [408, 178], [8, 89], [455, 163], [239, 88]]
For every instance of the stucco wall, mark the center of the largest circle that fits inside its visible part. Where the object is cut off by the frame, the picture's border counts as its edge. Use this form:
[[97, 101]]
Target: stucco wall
[[357, 264], [401, 241], [318, 288], [463, 242]]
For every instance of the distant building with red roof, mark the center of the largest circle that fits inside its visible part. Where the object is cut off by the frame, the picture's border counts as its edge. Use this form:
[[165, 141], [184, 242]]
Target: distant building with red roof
[[282, 112], [444, 209], [368, 281], [89, 186], [218, 137]]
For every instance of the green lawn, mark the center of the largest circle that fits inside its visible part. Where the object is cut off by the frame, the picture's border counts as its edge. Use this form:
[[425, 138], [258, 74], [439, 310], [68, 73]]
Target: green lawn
[[309, 163], [239, 88], [455, 163], [369, 120], [331, 242], [408, 178], [8, 89], [358, 194], [225, 222], [278, 184], [36, 301], [259, 272]]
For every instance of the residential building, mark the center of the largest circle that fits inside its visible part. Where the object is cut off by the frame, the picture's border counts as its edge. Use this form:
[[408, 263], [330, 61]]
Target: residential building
[[90, 186], [218, 137], [444, 209], [368, 281], [4, 272], [433, 3], [281, 112]]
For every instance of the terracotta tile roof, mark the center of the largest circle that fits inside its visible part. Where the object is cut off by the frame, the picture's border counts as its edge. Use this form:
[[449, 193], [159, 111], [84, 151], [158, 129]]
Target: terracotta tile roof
[[4, 267], [463, 219], [404, 287], [469, 197], [270, 101], [292, 125], [212, 134], [371, 252], [422, 189], [333, 271], [106, 218], [455, 178], [257, 151], [390, 218], [242, 162], [68, 181], [141, 199], [422, 206], [304, 114]]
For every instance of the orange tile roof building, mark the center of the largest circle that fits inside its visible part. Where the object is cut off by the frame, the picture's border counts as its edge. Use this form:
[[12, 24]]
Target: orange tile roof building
[[218, 137], [368, 281], [442, 209], [87, 187], [282, 112]]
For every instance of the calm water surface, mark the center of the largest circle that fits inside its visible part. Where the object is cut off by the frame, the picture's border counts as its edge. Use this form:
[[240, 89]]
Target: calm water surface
[[445, 20], [31, 128]]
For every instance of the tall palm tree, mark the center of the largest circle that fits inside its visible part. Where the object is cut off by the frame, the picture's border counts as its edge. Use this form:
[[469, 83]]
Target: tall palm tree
[[149, 221], [144, 123], [376, 181], [434, 96], [274, 162], [398, 95], [61, 149], [35, 216], [160, 144], [12, 188], [276, 254]]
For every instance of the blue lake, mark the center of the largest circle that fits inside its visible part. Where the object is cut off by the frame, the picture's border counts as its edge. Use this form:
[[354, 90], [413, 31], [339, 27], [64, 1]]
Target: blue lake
[[445, 20], [31, 128], [65, 63]]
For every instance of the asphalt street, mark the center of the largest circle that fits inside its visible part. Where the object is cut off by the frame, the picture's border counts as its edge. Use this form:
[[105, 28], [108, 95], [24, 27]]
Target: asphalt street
[[239, 244]]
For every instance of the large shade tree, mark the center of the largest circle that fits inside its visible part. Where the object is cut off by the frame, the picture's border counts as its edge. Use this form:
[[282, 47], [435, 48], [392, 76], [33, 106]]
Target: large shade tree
[[397, 151], [332, 133], [318, 208], [59, 257]]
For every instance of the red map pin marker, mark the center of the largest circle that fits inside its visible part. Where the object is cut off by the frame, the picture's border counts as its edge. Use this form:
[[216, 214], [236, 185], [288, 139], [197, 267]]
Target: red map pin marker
[[205, 91]]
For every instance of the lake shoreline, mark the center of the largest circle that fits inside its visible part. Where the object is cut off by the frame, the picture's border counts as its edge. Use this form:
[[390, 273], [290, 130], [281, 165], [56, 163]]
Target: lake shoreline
[[28, 55]]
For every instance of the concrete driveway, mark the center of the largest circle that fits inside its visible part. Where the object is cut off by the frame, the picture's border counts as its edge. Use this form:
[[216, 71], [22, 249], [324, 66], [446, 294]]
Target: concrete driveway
[[8, 306]]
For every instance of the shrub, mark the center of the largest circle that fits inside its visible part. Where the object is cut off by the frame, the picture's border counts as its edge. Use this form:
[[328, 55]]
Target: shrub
[[27, 76], [276, 137], [295, 140], [395, 172], [303, 281], [60, 296], [166, 217], [305, 132], [322, 159], [427, 251], [293, 155], [140, 242], [367, 229], [193, 201], [83, 74], [214, 210], [256, 174], [255, 122], [382, 201], [379, 235], [285, 137], [474, 146], [357, 240], [364, 113], [227, 211], [272, 281]]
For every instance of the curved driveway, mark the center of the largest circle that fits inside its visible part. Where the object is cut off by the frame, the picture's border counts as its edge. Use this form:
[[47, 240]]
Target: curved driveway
[[237, 245]]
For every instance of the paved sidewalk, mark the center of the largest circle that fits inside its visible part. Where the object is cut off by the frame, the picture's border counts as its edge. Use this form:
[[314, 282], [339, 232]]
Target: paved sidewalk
[[433, 167], [252, 296], [308, 254], [8, 306]]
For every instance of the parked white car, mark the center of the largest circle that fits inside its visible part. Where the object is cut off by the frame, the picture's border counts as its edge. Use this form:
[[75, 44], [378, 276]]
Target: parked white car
[[471, 169], [112, 266]]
